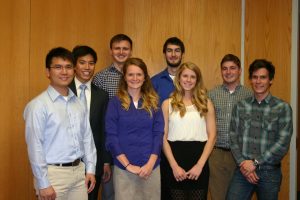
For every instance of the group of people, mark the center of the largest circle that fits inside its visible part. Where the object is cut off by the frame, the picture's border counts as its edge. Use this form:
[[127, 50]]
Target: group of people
[[163, 137]]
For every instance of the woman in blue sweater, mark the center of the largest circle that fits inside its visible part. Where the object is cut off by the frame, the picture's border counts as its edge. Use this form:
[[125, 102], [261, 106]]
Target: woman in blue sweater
[[134, 134]]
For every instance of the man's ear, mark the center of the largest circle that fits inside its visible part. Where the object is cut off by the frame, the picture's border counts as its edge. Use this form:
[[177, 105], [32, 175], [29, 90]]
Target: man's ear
[[47, 72]]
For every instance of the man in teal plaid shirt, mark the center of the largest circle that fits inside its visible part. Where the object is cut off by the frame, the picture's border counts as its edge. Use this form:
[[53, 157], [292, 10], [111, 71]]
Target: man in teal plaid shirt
[[260, 133]]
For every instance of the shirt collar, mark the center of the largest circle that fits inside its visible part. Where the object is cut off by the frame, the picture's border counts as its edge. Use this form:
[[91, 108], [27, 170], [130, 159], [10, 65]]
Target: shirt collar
[[267, 99], [55, 95], [166, 74], [78, 83], [114, 69], [224, 87]]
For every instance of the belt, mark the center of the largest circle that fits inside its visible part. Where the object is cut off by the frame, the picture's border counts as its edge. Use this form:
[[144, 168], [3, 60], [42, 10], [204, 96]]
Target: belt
[[70, 164], [222, 148]]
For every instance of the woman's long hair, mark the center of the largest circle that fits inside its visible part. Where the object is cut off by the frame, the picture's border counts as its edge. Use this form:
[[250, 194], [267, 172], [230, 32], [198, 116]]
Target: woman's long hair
[[148, 95], [199, 92]]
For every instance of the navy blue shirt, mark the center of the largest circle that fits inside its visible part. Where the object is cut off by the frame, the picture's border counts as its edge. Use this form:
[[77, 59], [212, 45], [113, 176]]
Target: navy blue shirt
[[163, 85], [133, 132]]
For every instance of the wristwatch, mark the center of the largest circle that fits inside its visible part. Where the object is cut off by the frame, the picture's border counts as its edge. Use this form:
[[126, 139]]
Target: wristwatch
[[255, 163]]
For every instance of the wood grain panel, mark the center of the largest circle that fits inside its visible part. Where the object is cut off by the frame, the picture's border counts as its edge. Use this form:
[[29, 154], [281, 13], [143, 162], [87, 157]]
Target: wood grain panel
[[209, 29], [14, 61], [69, 23], [268, 35]]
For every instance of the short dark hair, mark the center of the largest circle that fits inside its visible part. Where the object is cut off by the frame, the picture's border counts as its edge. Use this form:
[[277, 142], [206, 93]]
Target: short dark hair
[[174, 41], [119, 38], [262, 63], [231, 57], [59, 52], [83, 50]]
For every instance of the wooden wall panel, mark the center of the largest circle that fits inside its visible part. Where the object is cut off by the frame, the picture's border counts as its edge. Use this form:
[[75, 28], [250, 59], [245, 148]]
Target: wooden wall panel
[[268, 35], [69, 23], [14, 62], [209, 30]]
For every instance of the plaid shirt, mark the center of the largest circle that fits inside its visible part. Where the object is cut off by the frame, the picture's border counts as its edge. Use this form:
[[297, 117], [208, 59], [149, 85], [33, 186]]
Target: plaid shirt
[[261, 131], [108, 80], [224, 102]]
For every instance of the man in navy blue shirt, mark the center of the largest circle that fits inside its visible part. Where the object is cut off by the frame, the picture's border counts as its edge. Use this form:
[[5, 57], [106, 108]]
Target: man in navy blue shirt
[[163, 81]]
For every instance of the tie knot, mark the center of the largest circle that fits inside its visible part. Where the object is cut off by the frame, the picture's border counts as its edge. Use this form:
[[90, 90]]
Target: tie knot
[[83, 87]]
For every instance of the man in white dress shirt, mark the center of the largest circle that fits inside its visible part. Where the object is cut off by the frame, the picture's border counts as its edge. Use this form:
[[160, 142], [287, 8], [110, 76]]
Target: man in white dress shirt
[[59, 136]]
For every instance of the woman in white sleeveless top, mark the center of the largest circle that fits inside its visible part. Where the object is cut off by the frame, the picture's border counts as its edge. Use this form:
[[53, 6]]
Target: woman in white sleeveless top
[[190, 134]]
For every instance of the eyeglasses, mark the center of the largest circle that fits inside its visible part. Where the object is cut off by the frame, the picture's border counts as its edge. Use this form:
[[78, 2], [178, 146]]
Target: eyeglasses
[[60, 67]]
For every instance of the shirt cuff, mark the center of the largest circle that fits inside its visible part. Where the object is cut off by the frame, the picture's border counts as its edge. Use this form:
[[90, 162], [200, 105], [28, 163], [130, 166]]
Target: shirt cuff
[[90, 169], [43, 183]]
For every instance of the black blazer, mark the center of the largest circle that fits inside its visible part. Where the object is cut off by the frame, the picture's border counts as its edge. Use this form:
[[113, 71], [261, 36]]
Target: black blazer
[[99, 100]]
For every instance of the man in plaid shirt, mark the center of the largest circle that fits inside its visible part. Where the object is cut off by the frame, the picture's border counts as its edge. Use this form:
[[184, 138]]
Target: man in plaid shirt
[[260, 133], [224, 97], [109, 78]]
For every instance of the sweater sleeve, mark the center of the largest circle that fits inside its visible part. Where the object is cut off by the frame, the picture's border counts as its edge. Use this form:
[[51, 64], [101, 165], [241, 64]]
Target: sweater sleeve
[[158, 132], [111, 128]]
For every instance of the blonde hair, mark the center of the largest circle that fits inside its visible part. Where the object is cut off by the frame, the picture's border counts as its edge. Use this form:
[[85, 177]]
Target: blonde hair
[[148, 95], [199, 92]]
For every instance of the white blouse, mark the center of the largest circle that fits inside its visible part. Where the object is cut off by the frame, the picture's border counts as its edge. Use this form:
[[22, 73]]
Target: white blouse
[[190, 127]]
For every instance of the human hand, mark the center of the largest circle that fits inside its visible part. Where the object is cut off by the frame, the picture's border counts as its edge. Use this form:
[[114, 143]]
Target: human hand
[[247, 167], [106, 173], [133, 169], [47, 193], [252, 178], [195, 172], [90, 182], [146, 171], [179, 173]]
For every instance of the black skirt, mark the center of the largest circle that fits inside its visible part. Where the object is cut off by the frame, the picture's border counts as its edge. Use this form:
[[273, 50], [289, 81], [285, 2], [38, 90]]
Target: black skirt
[[186, 154]]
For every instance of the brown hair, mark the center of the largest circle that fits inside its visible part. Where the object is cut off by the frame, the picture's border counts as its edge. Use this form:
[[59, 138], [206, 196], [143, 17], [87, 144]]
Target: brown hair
[[148, 95]]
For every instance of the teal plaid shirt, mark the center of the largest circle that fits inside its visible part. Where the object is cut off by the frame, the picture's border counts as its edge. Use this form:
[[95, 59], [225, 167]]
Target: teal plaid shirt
[[224, 103], [261, 131]]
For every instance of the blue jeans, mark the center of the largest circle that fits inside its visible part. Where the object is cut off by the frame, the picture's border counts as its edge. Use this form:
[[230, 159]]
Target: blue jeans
[[267, 188]]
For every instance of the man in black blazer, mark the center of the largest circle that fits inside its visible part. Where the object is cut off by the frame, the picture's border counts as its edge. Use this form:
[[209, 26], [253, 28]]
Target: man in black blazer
[[95, 101]]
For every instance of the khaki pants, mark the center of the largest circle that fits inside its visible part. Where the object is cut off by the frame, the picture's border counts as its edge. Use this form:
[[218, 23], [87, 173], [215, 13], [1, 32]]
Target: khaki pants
[[130, 186], [221, 167], [68, 182]]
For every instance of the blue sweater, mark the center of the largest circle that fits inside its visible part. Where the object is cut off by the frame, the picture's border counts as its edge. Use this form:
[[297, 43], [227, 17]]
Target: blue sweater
[[133, 133]]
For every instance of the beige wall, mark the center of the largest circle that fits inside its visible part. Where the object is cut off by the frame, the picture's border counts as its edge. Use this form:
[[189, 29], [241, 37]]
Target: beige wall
[[209, 29]]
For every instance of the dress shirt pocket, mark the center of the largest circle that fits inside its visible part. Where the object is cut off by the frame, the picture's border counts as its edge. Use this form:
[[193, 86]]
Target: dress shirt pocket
[[271, 126], [244, 122]]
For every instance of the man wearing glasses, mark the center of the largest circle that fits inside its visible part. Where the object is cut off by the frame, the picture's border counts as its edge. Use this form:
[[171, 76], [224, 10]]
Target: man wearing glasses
[[59, 136]]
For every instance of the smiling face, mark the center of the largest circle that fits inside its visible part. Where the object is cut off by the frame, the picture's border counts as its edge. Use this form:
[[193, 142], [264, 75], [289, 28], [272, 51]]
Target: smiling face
[[261, 83], [84, 68], [60, 73], [230, 73], [188, 79], [173, 55], [120, 52], [134, 77]]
